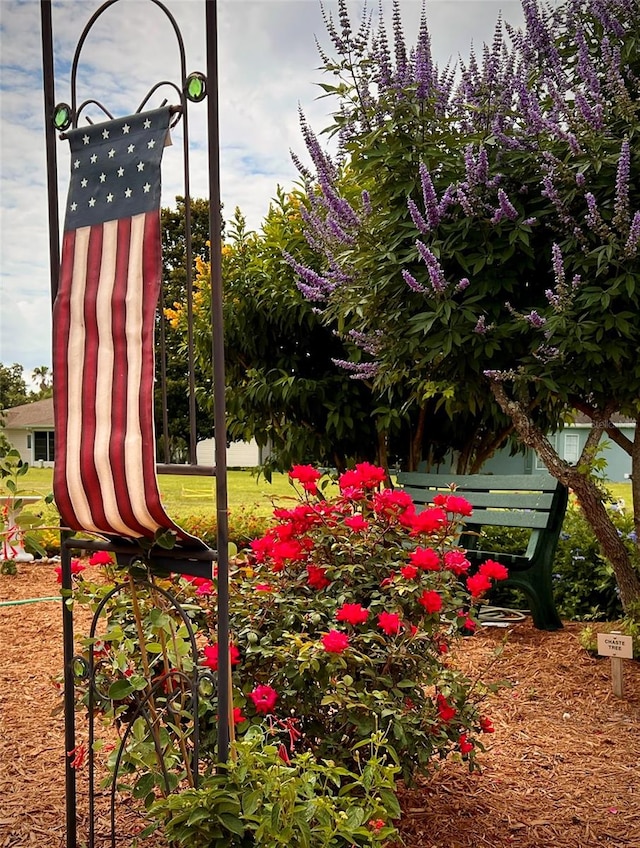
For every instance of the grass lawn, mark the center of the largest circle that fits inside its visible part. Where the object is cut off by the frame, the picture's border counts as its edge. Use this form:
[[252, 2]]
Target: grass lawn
[[192, 494], [245, 489]]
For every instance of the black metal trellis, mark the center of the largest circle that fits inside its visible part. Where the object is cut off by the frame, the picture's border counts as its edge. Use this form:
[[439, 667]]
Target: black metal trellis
[[60, 117]]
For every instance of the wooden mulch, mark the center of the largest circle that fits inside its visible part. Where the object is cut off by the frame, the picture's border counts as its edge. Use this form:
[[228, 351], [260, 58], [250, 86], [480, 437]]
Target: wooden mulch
[[562, 769]]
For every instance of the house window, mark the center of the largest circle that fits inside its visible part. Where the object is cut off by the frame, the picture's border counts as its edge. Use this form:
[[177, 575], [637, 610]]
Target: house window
[[571, 448], [43, 445], [28, 441]]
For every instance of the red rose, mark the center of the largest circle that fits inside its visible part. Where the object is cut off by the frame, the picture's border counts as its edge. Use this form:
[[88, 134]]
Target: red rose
[[335, 642], [465, 745], [456, 561], [389, 622], [100, 558], [305, 474], [211, 656], [317, 578], [431, 601], [493, 569], [425, 558], [428, 521], [356, 523], [352, 613], [445, 710], [264, 698], [461, 506], [478, 584]]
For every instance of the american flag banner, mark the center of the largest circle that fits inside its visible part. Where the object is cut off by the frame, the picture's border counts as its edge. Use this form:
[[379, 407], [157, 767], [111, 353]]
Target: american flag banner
[[103, 331]]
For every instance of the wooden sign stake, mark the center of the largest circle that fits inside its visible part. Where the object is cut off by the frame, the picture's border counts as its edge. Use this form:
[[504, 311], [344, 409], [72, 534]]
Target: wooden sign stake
[[617, 677], [616, 646]]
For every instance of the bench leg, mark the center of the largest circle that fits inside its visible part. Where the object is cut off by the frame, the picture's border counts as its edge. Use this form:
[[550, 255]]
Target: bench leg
[[537, 587]]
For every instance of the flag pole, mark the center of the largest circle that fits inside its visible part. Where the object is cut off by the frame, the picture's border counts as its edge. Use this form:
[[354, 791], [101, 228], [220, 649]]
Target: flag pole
[[50, 138], [48, 82], [225, 695]]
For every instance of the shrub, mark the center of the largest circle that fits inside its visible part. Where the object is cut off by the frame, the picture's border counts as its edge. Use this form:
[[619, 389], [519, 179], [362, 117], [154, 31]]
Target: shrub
[[585, 586], [245, 525], [341, 619], [258, 799]]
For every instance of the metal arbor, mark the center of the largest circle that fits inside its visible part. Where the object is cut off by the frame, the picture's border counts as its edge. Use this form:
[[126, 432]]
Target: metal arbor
[[83, 490]]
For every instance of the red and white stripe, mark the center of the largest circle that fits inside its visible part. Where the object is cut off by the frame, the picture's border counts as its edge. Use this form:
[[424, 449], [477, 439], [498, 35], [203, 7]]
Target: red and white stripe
[[103, 360]]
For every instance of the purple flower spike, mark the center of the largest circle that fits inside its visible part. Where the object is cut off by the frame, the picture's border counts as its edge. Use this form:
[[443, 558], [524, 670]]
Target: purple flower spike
[[621, 206], [507, 208], [481, 326], [417, 218], [631, 247], [413, 284], [558, 265], [429, 196], [535, 320]]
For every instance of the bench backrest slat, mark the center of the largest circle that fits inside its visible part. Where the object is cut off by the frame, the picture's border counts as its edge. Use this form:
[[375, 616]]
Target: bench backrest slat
[[515, 500], [507, 518], [480, 482], [498, 500]]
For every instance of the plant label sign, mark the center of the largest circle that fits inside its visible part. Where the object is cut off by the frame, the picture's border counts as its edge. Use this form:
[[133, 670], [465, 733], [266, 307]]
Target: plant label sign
[[618, 647], [615, 645]]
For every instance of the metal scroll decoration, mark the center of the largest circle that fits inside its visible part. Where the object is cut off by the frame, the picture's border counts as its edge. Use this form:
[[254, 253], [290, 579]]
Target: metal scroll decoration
[[104, 294]]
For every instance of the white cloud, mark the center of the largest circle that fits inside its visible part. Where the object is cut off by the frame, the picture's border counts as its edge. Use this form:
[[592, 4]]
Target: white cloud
[[268, 65]]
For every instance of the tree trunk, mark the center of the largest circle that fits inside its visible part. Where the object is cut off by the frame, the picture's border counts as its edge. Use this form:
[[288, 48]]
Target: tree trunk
[[587, 491], [487, 447], [415, 448], [383, 453]]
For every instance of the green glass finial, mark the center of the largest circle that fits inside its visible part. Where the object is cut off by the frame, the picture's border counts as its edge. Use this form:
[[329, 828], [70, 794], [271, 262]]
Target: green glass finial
[[196, 87], [62, 117]]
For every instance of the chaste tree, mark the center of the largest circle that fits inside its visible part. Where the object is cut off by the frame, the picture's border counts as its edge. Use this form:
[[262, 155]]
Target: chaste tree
[[480, 228], [283, 388]]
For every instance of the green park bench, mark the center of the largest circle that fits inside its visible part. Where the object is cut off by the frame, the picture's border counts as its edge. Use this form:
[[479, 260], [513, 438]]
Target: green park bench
[[534, 502]]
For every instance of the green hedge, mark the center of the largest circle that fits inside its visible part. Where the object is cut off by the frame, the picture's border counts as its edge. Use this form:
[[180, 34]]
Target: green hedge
[[585, 587], [584, 584]]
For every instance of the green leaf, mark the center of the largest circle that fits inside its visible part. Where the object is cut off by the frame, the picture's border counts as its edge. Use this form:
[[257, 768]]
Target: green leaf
[[119, 690], [232, 823]]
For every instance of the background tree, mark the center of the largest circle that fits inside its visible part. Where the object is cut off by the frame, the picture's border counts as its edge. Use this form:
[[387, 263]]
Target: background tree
[[283, 385], [484, 234], [174, 295], [13, 388], [44, 377]]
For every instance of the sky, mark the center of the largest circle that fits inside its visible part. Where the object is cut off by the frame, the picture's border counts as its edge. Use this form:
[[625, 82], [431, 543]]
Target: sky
[[268, 68]]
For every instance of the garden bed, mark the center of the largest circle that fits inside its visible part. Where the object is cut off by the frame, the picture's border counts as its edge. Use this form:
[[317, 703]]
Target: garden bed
[[561, 768]]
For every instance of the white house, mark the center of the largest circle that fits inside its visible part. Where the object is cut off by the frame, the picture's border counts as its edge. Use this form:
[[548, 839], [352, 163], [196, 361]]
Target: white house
[[239, 454], [29, 428], [569, 442]]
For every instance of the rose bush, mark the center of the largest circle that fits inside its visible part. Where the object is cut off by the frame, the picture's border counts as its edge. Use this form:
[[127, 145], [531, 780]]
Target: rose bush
[[342, 616], [346, 608]]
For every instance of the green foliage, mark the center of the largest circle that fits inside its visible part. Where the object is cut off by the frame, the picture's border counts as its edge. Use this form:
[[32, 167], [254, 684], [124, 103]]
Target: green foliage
[[259, 800], [482, 239], [20, 531], [174, 294], [285, 390], [341, 621], [584, 583], [13, 389], [44, 377], [245, 525]]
